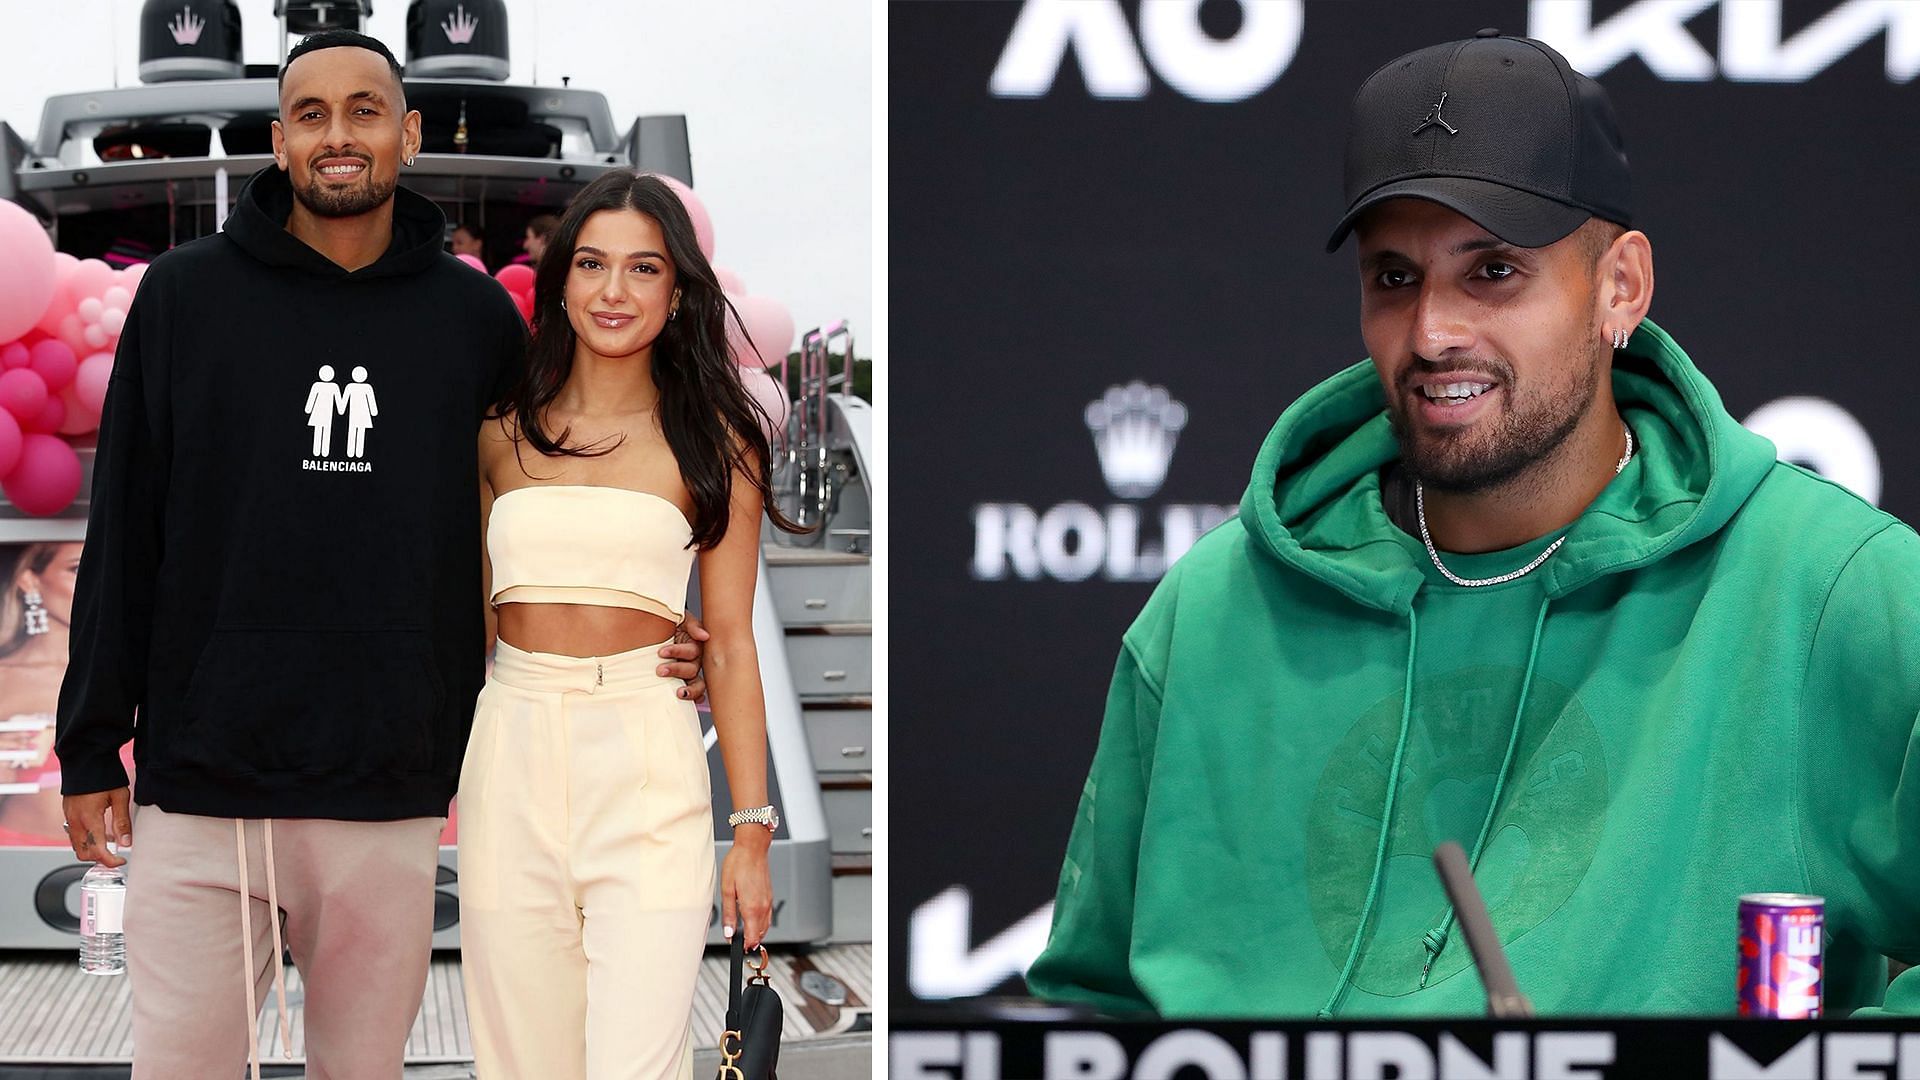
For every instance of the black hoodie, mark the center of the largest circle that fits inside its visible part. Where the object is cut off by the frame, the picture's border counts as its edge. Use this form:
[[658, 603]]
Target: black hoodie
[[297, 626]]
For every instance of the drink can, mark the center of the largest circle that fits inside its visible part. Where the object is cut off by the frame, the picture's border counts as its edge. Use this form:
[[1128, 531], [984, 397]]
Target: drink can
[[1781, 963]]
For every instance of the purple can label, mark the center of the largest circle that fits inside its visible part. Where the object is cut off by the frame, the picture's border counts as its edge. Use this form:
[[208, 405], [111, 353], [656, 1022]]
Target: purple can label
[[1780, 955]]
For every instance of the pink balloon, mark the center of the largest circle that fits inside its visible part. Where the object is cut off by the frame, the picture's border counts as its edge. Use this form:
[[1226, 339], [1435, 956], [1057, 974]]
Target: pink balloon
[[114, 321], [769, 324], [517, 277], [58, 310], [90, 309], [52, 415], [733, 284], [766, 390], [93, 278], [10, 439], [90, 382], [64, 299], [72, 331], [79, 420], [22, 393], [26, 270], [54, 363], [95, 336], [131, 276], [523, 302], [473, 261], [118, 296], [15, 354], [47, 477], [696, 210]]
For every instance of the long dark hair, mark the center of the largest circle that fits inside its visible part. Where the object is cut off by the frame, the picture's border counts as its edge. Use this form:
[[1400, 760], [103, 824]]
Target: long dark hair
[[711, 423]]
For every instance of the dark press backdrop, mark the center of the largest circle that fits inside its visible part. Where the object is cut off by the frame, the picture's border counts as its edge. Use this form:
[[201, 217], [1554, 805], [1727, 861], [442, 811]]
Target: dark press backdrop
[[1092, 194]]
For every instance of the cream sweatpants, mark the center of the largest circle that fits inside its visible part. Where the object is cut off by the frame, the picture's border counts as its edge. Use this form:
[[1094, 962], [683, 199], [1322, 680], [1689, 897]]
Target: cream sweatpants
[[586, 869], [358, 897]]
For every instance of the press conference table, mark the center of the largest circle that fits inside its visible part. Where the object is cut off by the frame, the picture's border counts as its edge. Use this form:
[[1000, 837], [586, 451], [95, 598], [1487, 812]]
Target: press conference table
[[1027, 1040]]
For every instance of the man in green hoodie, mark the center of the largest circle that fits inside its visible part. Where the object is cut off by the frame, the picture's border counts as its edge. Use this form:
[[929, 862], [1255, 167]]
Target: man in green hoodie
[[1521, 582]]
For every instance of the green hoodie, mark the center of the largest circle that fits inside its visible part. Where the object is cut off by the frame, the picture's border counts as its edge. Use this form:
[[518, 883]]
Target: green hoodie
[[1710, 689]]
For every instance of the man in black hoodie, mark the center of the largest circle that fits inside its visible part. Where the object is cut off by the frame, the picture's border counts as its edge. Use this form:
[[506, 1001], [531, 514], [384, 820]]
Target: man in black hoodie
[[296, 618]]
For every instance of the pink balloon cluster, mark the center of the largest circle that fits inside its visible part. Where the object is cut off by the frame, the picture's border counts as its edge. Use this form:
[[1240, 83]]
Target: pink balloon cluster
[[759, 338], [60, 320], [518, 280], [74, 340], [762, 336]]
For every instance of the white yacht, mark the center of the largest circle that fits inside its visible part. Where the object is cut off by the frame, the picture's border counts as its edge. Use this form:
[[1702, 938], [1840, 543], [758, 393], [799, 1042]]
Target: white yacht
[[128, 173]]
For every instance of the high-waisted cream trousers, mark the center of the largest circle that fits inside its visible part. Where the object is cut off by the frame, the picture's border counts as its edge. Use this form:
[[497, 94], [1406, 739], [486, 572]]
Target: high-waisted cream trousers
[[586, 868]]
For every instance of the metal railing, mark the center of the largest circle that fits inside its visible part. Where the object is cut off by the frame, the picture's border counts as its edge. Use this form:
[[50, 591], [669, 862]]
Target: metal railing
[[811, 480]]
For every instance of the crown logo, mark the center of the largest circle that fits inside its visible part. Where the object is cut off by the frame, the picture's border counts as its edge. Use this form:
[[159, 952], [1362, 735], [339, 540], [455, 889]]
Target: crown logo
[[460, 26], [186, 27], [1134, 428]]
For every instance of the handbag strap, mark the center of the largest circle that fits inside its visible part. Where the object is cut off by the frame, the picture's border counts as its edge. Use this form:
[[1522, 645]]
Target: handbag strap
[[738, 964]]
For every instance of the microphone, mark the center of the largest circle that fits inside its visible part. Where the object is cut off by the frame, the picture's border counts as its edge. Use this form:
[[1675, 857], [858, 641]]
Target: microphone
[[1504, 999]]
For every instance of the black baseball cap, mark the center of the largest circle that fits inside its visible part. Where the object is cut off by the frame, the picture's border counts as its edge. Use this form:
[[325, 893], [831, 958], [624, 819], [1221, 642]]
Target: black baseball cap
[[1500, 129]]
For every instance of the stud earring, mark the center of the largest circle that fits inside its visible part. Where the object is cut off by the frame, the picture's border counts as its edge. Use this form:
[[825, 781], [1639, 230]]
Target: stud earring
[[409, 161], [36, 614]]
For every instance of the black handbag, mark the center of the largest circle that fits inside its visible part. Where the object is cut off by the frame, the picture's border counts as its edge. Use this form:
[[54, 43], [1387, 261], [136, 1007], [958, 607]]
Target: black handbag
[[750, 1047]]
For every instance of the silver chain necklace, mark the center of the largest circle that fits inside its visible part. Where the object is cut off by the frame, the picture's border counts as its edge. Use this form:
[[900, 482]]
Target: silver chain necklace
[[1420, 510]]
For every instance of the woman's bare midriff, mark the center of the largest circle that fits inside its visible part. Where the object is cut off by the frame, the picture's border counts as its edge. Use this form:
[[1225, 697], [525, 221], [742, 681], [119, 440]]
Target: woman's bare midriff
[[579, 629]]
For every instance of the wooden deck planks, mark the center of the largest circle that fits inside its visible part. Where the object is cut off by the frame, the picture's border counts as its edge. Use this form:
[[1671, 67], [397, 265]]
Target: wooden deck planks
[[51, 1013]]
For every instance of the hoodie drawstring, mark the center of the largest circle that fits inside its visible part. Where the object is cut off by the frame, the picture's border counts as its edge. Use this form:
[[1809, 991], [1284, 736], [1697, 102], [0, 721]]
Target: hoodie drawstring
[[279, 949], [246, 946], [1436, 938], [1386, 821]]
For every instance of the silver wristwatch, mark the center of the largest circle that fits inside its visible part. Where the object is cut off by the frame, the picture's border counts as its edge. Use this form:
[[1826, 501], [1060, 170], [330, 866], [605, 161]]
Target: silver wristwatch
[[759, 815]]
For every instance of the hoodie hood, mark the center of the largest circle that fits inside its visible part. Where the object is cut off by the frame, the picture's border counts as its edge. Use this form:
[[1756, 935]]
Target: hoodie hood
[[259, 226], [1314, 500]]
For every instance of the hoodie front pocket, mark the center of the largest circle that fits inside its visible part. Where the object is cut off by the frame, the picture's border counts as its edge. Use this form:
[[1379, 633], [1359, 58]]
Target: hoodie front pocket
[[345, 704]]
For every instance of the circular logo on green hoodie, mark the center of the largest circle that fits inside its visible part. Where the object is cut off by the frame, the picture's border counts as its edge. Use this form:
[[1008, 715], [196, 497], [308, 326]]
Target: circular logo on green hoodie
[[1539, 847]]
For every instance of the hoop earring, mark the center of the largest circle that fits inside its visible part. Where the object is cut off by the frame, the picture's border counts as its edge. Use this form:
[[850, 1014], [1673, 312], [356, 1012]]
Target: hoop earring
[[672, 315], [36, 614], [409, 161]]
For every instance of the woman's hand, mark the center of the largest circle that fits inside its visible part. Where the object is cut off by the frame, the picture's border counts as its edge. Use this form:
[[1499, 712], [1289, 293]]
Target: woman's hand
[[746, 887]]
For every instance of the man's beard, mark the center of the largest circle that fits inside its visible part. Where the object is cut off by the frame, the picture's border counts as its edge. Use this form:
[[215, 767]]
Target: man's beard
[[1479, 460], [353, 201]]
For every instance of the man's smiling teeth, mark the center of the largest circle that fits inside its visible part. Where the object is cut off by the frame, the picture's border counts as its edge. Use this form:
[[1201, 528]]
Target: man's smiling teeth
[[1459, 391], [340, 170]]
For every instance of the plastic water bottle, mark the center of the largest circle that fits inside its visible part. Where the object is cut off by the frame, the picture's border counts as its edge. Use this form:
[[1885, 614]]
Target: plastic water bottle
[[103, 907]]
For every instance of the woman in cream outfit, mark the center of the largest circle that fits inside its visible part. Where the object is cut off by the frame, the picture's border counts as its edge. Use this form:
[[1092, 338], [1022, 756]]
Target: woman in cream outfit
[[629, 452]]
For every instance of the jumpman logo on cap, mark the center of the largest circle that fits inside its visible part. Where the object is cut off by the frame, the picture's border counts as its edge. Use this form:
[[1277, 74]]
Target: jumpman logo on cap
[[1434, 118]]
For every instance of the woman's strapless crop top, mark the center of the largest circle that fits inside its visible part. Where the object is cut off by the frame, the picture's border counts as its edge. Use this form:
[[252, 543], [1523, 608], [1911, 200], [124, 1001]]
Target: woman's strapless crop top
[[595, 545]]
